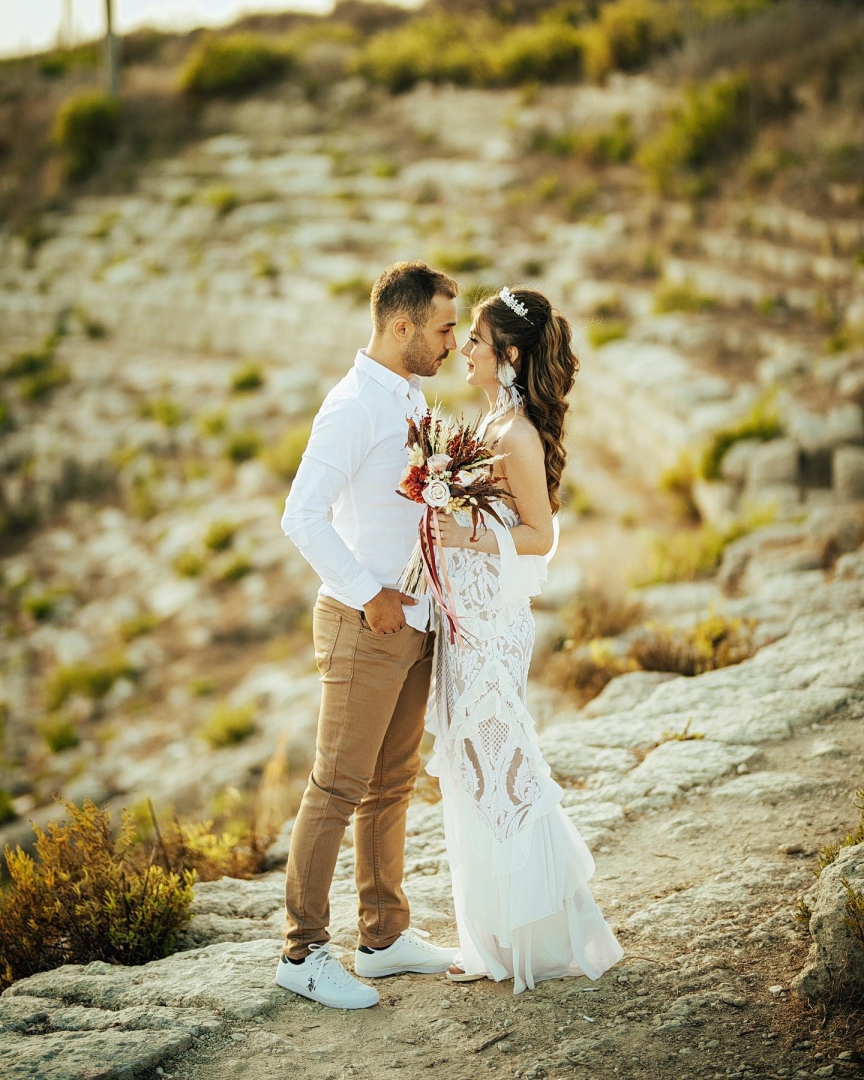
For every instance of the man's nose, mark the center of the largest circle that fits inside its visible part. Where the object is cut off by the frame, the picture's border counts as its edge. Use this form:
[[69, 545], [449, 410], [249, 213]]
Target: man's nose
[[451, 342]]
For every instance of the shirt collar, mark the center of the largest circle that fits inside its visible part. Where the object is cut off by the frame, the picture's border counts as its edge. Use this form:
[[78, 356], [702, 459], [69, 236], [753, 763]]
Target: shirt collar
[[383, 375]]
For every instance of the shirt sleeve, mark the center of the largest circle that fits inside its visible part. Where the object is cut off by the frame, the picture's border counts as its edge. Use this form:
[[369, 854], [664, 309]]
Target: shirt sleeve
[[340, 440]]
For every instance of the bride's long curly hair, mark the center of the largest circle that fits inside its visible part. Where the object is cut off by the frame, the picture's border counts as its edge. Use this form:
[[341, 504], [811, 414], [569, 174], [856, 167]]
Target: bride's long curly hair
[[546, 367]]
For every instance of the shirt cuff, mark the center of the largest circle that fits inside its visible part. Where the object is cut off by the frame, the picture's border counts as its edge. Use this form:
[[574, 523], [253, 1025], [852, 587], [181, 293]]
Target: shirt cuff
[[362, 591]]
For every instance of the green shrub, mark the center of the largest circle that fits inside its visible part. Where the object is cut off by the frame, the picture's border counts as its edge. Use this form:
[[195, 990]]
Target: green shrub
[[165, 411], [229, 725], [461, 262], [59, 734], [83, 898], [762, 422], [141, 500], [678, 481], [547, 52], [601, 333], [626, 34], [385, 170], [202, 687], [238, 568], [597, 146], [198, 849], [41, 385], [188, 564], [39, 606], [234, 65], [711, 124], [212, 424], [284, 458], [696, 553], [88, 680], [222, 199], [714, 642], [247, 378], [243, 446], [7, 807], [5, 415], [581, 198], [31, 361], [358, 288], [438, 48], [680, 296], [220, 535], [86, 126], [143, 623]]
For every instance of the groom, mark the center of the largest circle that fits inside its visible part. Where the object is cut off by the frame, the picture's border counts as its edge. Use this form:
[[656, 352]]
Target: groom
[[373, 646]]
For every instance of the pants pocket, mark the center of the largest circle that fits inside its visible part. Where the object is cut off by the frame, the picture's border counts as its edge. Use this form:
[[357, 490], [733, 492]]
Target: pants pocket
[[325, 630]]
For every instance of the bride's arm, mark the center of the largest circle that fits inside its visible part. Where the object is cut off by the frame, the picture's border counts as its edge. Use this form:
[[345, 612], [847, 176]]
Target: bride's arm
[[525, 471]]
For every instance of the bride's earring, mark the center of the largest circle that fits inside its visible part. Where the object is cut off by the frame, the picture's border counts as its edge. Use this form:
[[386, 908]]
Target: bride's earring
[[506, 374]]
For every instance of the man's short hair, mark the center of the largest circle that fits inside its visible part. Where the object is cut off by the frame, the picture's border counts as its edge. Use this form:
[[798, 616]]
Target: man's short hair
[[409, 288]]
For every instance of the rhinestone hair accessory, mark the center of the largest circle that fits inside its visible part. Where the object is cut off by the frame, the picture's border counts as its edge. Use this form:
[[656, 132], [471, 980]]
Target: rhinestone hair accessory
[[514, 304]]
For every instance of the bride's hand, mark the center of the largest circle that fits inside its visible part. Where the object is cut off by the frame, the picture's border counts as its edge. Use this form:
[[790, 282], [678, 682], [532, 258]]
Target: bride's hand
[[453, 535]]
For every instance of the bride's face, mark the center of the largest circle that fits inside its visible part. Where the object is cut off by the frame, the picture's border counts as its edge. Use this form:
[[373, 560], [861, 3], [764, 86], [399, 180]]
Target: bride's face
[[478, 351]]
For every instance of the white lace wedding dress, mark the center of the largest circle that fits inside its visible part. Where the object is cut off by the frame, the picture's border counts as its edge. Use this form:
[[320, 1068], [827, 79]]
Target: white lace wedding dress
[[520, 869]]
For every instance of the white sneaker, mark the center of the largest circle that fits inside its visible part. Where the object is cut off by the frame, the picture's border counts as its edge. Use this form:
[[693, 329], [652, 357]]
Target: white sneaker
[[409, 952], [322, 978]]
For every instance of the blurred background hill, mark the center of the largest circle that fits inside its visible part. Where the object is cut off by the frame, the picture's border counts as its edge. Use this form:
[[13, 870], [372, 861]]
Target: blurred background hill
[[184, 271]]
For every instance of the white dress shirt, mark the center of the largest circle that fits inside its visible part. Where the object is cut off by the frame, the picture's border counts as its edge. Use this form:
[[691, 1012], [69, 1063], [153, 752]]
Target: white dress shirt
[[352, 466]]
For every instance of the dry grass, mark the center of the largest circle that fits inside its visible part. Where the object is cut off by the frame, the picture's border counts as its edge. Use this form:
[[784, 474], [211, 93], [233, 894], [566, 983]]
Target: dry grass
[[715, 642]]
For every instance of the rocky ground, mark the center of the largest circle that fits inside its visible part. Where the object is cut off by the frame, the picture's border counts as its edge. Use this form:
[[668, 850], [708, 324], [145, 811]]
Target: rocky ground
[[704, 800]]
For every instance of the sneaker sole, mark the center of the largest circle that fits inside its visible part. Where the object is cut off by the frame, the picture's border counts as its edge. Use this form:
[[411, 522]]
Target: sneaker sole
[[401, 971], [330, 1004]]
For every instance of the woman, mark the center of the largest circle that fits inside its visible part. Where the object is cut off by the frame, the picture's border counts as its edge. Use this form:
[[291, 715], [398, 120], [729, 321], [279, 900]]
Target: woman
[[520, 869]]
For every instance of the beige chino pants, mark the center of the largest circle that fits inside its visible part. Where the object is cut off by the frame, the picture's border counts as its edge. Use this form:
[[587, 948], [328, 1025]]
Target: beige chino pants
[[373, 702]]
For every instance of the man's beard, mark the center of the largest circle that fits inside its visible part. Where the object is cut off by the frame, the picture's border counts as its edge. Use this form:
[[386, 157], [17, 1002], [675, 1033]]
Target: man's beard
[[420, 359]]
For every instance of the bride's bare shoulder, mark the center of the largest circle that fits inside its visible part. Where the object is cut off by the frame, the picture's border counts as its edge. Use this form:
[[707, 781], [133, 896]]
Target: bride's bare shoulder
[[519, 435]]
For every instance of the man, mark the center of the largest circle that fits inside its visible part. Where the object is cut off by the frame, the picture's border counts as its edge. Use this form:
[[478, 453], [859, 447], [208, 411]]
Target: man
[[373, 646]]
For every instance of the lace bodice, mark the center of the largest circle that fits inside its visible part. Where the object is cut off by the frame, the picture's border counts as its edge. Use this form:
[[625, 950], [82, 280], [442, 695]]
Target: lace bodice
[[482, 726]]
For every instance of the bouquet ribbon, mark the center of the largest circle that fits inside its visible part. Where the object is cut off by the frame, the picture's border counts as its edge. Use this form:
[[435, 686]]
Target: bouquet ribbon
[[430, 539]]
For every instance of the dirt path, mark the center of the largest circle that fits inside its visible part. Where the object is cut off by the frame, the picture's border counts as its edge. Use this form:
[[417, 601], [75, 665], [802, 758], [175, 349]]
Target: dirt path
[[703, 901]]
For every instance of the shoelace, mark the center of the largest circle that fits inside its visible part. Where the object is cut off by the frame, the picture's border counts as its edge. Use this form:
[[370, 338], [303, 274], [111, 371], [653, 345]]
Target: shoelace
[[417, 937], [321, 957]]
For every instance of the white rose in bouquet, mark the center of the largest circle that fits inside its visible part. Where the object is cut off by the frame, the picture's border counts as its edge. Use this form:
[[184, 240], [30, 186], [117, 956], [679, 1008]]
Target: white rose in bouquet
[[436, 494], [438, 462]]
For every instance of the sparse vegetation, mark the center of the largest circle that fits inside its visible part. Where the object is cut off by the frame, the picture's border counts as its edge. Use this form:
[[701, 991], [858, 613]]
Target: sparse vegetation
[[88, 680], [211, 425], [7, 807], [284, 458], [694, 553], [357, 289], [598, 613], [714, 642], [59, 734], [829, 853], [584, 672], [143, 623], [163, 410], [236, 569], [223, 200], [86, 127], [234, 65], [188, 564], [39, 606], [601, 333], [247, 378], [680, 296], [243, 446], [678, 480], [85, 896], [461, 262], [220, 535], [762, 422], [626, 34], [229, 725], [712, 123]]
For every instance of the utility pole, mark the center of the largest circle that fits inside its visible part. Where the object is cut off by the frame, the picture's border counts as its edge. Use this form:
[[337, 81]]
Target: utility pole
[[112, 60]]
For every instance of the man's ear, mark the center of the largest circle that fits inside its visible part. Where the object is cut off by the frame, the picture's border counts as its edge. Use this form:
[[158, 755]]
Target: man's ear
[[403, 329]]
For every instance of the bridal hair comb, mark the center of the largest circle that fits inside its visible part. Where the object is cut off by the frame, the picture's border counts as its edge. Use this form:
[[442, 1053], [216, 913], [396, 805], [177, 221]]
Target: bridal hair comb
[[514, 304]]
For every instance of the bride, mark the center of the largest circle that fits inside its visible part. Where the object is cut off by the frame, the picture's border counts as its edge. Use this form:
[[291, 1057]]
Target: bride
[[520, 869]]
